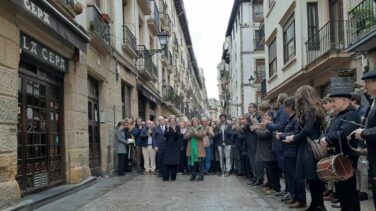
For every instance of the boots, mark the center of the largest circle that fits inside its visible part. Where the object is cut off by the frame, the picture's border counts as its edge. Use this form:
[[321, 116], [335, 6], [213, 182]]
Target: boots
[[193, 177]]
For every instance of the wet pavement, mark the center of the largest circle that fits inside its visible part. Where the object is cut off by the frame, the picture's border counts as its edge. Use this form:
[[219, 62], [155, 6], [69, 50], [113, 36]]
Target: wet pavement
[[148, 192]]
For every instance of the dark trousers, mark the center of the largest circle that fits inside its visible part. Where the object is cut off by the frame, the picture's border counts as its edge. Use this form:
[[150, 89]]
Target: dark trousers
[[273, 172], [198, 167], [316, 188], [282, 164], [244, 164], [183, 162], [297, 185], [123, 164], [159, 162], [169, 172], [348, 195]]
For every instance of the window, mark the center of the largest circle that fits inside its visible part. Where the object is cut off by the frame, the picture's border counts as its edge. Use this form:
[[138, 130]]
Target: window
[[258, 12], [258, 44], [289, 39], [260, 70], [273, 58], [313, 26]]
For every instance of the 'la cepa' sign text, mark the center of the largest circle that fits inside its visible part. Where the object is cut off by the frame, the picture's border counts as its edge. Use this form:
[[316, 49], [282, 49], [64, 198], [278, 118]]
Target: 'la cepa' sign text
[[42, 53]]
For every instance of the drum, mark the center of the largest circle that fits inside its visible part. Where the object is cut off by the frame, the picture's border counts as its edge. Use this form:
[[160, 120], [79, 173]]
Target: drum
[[335, 168]]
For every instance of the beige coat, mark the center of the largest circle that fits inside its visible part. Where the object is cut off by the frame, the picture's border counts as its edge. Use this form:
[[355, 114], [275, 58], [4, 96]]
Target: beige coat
[[199, 135]]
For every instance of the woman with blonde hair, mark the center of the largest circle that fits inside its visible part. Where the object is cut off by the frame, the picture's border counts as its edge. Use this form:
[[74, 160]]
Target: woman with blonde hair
[[195, 149], [311, 115]]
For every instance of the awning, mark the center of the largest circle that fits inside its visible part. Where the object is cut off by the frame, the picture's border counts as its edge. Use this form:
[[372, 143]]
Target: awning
[[45, 13]]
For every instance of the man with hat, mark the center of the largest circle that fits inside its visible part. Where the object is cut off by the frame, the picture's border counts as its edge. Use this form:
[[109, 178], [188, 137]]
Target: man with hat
[[369, 131], [340, 127]]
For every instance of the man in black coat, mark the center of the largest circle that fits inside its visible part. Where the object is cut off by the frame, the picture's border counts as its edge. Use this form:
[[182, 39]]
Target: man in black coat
[[340, 127], [369, 132], [160, 140], [171, 154], [251, 143]]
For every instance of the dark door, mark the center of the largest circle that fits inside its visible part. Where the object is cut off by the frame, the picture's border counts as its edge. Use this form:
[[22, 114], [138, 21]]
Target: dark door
[[93, 127], [40, 125]]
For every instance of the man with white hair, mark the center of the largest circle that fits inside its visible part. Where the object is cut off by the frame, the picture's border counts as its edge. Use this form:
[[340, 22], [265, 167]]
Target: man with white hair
[[158, 135]]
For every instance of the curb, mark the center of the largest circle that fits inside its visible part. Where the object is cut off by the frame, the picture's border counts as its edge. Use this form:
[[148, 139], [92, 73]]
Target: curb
[[44, 199]]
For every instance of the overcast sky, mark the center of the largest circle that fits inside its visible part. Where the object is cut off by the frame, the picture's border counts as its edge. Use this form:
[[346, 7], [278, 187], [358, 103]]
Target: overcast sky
[[207, 25]]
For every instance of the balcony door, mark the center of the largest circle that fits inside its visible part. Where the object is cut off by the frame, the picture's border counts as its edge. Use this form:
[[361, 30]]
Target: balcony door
[[337, 36]]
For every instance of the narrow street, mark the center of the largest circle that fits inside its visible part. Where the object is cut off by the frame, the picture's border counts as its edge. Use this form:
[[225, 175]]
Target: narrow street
[[148, 192]]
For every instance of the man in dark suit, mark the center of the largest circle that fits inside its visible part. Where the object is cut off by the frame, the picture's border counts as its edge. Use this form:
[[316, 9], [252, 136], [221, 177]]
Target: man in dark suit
[[340, 127], [160, 140], [369, 132]]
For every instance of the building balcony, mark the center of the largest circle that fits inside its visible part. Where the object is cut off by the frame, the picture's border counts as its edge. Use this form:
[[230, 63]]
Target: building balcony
[[129, 42], [99, 29], [327, 46], [171, 99], [362, 27], [154, 19], [144, 6], [145, 65]]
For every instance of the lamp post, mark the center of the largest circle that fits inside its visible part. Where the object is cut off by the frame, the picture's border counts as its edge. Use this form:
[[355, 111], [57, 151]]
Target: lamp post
[[163, 40]]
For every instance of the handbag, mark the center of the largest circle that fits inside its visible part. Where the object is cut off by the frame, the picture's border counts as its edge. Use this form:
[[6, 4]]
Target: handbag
[[319, 152]]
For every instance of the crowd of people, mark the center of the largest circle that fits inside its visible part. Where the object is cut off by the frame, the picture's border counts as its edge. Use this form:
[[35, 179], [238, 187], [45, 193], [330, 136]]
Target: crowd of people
[[268, 145]]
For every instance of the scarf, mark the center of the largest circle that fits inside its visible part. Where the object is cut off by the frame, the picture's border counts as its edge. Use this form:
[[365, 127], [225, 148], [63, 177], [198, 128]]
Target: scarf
[[194, 153]]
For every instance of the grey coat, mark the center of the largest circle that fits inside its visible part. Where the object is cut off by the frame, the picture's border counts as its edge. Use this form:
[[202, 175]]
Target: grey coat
[[264, 145], [122, 142]]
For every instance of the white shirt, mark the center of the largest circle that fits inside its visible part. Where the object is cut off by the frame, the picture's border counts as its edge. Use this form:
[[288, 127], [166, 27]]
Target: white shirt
[[223, 126], [150, 140]]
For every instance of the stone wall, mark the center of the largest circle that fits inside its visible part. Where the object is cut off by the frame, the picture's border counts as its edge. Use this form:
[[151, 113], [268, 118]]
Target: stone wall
[[9, 58]]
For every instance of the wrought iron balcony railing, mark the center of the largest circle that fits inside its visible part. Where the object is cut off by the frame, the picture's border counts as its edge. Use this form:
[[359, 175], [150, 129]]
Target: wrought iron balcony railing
[[331, 37], [129, 39], [97, 26], [362, 21], [145, 64]]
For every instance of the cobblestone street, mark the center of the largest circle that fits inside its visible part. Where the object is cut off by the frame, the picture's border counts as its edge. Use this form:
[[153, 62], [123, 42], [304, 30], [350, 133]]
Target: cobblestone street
[[150, 193]]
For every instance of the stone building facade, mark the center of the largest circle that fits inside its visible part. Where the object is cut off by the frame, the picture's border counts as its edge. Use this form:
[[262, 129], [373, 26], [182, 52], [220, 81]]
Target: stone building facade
[[242, 66], [70, 71]]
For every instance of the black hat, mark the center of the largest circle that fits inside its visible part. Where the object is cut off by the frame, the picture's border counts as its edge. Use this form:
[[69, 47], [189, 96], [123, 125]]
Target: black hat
[[369, 75], [341, 87]]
